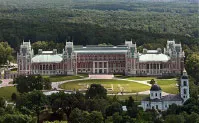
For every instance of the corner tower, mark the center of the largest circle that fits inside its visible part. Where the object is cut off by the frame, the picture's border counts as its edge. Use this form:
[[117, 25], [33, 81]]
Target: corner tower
[[24, 57], [69, 59], [131, 58], [184, 86]]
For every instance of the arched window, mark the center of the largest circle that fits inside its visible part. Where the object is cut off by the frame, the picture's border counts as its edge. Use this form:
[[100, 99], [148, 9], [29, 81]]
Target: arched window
[[185, 91]]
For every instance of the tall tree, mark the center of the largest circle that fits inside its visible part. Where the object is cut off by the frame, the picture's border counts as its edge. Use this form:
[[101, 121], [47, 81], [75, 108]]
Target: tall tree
[[96, 91], [34, 101], [5, 53]]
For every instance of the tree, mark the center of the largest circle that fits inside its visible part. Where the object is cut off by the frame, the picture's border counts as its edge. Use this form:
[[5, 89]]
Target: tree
[[34, 101], [174, 119], [61, 102], [31, 82], [96, 117], [152, 81], [47, 84], [76, 116], [114, 107], [117, 118], [96, 91], [16, 118], [2, 102], [14, 96], [5, 53], [192, 65]]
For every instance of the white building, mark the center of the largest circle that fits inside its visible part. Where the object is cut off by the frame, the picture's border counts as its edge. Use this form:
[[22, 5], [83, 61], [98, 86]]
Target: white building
[[157, 101]]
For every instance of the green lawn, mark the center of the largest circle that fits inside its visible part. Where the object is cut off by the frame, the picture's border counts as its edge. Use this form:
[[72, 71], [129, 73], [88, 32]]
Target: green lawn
[[6, 92], [116, 85], [141, 78], [62, 78], [134, 78], [168, 86]]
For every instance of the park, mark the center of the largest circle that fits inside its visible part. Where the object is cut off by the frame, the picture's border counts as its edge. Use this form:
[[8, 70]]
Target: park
[[122, 86]]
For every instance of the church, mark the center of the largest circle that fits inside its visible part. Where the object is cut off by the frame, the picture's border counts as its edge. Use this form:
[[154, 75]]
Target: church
[[159, 102], [96, 59]]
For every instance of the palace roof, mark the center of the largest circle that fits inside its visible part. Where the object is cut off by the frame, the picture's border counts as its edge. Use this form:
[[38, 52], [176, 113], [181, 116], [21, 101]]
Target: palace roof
[[46, 58], [101, 49], [153, 57]]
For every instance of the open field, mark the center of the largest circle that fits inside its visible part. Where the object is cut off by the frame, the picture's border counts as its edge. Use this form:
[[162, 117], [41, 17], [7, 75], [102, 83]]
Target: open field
[[113, 86], [6, 92]]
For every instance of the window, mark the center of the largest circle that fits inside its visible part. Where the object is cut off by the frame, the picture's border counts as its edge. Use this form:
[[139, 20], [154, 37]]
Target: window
[[160, 94], [185, 91], [156, 106], [185, 83], [151, 94], [156, 94]]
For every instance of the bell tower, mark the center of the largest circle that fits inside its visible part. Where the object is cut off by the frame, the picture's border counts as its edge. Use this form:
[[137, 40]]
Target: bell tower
[[184, 86]]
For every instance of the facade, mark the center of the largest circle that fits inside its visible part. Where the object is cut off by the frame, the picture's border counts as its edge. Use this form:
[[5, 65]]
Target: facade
[[95, 59], [157, 101]]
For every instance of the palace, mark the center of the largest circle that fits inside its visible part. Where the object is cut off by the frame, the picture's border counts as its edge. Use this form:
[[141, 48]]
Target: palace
[[96, 59]]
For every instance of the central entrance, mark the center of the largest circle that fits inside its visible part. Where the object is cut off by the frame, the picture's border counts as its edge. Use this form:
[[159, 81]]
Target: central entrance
[[100, 67]]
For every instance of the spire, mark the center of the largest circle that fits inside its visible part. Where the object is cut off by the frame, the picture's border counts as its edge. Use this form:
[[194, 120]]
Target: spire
[[184, 72]]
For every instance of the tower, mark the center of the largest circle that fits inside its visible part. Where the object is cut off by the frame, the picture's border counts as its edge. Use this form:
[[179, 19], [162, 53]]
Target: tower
[[24, 57], [184, 86], [131, 58], [175, 52], [69, 59]]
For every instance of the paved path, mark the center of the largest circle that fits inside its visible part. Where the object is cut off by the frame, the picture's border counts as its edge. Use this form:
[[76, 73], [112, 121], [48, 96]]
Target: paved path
[[55, 85], [139, 93], [5, 83]]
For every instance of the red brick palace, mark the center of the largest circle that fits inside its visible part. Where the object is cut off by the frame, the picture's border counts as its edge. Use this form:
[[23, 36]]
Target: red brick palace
[[96, 59]]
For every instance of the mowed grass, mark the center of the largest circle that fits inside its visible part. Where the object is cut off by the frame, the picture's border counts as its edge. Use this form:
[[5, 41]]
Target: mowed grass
[[6, 92], [62, 78], [134, 78], [168, 86], [114, 86]]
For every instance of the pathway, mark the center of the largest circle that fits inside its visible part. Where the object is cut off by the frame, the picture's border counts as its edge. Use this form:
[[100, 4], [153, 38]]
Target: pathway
[[5, 83], [55, 85]]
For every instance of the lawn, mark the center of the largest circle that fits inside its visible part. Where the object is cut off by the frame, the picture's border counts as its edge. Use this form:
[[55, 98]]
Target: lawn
[[113, 86], [62, 78], [168, 86], [134, 78], [6, 92]]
